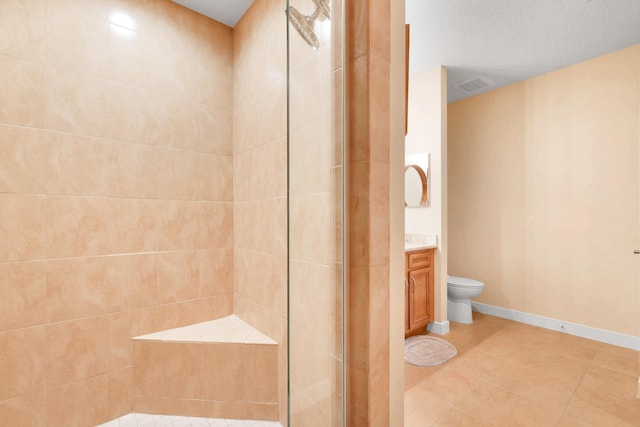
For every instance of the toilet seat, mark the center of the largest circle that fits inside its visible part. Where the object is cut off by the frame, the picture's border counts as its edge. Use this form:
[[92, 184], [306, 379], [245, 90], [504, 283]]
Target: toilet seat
[[463, 282]]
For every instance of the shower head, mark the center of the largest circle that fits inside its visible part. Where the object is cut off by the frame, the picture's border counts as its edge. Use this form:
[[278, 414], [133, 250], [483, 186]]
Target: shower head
[[304, 24], [304, 27], [323, 7]]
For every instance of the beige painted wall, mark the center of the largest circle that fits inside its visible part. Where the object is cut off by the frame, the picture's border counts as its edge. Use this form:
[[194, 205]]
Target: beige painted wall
[[427, 132], [543, 190]]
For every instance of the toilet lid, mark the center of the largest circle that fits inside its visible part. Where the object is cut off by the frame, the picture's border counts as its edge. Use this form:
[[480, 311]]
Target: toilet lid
[[464, 282]]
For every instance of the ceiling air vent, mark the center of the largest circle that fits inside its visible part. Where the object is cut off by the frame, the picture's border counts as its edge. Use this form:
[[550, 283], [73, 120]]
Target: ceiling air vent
[[473, 85]]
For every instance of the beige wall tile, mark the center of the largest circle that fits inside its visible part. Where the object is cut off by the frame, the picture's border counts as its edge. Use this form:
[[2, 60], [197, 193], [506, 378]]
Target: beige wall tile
[[242, 176], [127, 46], [213, 133], [147, 405], [178, 176], [122, 327], [97, 226], [78, 227], [359, 310], [75, 103], [216, 272], [181, 313], [380, 37], [178, 225], [260, 379], [178, 276], [21, 227], [216, 307], [22, 160], [82, 402], [175, 33], [143, 13], [149, 373], [305, 411], [359, 406], [144, 161], [135, 225], [379, 213], [22, 295], [129, 113], [310, 227], [359, 212], [119, 393], [22, 29], [225, 365], [215, 177], [183, 364], [310, 151], [76, 36], [311, 79], [262, 278], [312, 285], [76, 350], [23, 362], [189, 407], [75, 165], [216, 57], [216, 225], [359, 131], [76, 288], [267, 176], [131, 282], [379, 104], [27, 410], [238, 410], [22, 89], [162, 93]]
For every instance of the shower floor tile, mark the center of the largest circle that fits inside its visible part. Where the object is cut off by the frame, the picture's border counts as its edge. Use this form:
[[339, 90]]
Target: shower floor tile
[[148, 420]]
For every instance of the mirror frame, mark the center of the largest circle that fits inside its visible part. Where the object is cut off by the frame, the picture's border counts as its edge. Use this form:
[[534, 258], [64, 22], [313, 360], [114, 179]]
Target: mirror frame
[[424, 197]]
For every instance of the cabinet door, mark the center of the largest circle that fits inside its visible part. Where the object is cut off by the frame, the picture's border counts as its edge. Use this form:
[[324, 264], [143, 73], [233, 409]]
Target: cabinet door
[[420, 297], [407, 325]]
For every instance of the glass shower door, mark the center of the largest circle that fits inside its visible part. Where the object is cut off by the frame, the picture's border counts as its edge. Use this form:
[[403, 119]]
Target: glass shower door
[[315, 213]]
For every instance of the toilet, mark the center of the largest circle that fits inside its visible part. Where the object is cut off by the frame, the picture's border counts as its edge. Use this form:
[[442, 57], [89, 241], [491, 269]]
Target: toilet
[[460, 290]]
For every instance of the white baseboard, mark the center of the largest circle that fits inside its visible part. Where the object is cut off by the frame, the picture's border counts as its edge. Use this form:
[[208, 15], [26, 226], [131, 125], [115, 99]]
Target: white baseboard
[[596, 334], [440, 328]]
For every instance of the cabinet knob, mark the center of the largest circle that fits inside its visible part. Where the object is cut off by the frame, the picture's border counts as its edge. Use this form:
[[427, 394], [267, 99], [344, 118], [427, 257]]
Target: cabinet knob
[[637, 252]]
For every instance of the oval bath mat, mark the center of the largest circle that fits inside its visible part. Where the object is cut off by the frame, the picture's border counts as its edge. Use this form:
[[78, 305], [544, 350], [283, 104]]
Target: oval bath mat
[[424, 350]]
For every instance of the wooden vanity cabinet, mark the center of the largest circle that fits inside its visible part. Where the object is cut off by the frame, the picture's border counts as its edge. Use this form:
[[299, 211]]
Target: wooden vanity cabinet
[[418, 290]]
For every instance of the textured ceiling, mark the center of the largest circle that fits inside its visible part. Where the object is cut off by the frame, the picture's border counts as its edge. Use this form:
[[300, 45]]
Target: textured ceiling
[[497, 41], [506, 41], [226, 11]]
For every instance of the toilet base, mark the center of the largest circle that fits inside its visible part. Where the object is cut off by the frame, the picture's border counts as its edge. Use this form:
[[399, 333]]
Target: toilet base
[[459, 311]]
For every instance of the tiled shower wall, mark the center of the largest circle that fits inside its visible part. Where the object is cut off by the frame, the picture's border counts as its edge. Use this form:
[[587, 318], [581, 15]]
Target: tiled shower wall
[[260, 196], [260, 176], [116, 212], [315, 159]]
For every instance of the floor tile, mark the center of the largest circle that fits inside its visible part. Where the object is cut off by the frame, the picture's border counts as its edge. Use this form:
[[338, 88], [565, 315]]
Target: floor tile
[[510, 374], [455, 418]]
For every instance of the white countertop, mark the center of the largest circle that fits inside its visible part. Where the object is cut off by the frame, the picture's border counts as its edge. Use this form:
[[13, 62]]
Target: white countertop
[[408, 247], [414, 242]]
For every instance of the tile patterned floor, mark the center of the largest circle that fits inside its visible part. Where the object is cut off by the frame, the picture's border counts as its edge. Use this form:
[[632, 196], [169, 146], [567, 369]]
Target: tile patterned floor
[[511, 374], [147, 420]]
